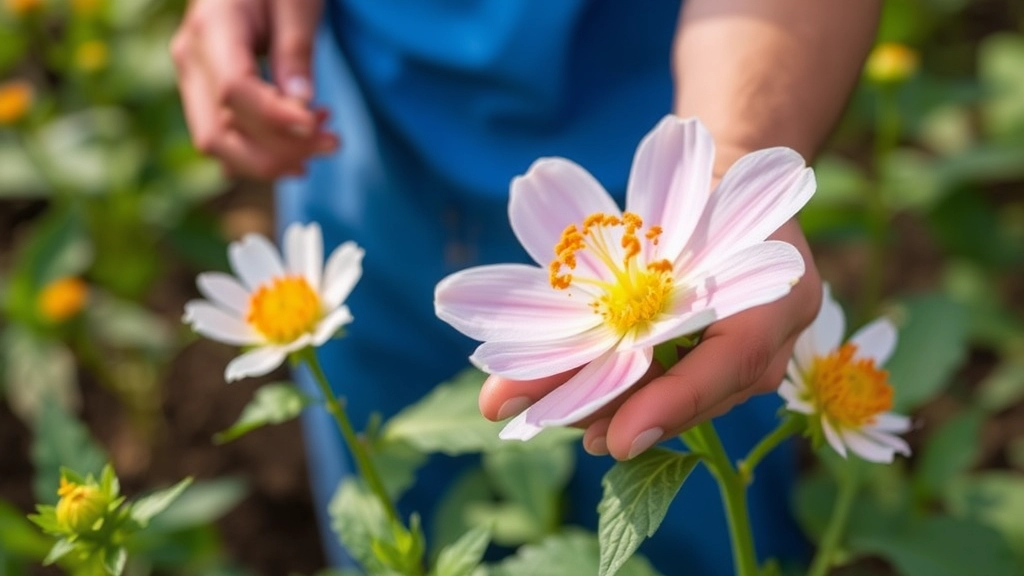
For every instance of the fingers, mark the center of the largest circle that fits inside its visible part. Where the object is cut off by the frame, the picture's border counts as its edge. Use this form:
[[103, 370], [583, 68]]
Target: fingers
[[291, 47], [250, 125], [502, 398]]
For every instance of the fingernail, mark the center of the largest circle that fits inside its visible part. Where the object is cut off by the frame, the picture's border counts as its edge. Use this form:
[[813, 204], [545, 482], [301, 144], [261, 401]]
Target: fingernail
[[298, 87], [643, 441], [598, 446], [301, 130], [513, 406]]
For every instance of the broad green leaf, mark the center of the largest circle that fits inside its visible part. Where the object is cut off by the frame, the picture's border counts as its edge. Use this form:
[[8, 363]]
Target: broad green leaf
[[397, 463], [1001, 70], [19, 178], [62, 440], [942, 546], [969, 224], [637, 494], [114, 560], [932, 344], [125, 324], [447, 420], [36, 371], [59, 550], [993, 498], [453, 516], [59, 247], [359, 520], [949, 452], [1003, 387], [18, 536], [271, 404], [910, 180], [532, 477], [144, 509], [203, 503], [573, 551], [463, 556]]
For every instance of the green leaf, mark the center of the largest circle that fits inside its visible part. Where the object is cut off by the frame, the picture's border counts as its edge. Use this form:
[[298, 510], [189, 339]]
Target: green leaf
[[1003, 387], [949, 452], [203, 503], [455, 514], [59, 550], [115, 560], [18, 536], [62, 440], [124, 324], [271, 404], [359, 520], [447, 420], [397, 463], [573, 551], [995, 499], [144, 509], [534, 478], [932, 343], [58, 247], [637, 494], [36, 371], [19, 178], [1001, 70], [464, 555]]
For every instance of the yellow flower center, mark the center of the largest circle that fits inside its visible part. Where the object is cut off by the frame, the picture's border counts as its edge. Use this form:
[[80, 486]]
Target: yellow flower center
[[638, 292], [284, 309], [79, 506], [62, 299], [850, 391], [891, 62], [15, 100]]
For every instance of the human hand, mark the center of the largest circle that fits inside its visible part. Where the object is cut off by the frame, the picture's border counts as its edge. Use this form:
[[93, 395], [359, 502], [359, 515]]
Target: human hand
[[738, 357], [253, 127]]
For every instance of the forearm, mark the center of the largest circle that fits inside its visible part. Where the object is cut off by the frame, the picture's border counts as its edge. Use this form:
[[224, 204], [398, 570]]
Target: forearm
[[763, 73]]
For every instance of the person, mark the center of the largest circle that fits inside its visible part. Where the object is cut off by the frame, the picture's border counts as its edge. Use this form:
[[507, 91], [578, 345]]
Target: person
[[439, 105]]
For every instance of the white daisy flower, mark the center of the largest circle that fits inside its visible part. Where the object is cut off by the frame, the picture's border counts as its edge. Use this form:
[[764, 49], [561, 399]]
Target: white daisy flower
[[274, 308], [844, 385]]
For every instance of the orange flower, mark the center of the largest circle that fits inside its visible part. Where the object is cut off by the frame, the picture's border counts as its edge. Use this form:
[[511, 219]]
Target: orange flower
[[62, 299], [85, 7], [20, 7], [15, 101]]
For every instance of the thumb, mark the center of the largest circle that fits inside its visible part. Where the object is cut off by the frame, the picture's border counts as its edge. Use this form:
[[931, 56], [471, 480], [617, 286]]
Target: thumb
[[293, 26]]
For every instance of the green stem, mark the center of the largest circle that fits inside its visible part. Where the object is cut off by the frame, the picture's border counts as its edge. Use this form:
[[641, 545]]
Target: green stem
[[848, 488], [363, 462], [733, 488], [786, 428]]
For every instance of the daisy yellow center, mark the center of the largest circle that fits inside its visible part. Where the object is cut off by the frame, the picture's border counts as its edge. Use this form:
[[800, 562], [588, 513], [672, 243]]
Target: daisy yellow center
[[637, 292], [850, 391], [284, 309]]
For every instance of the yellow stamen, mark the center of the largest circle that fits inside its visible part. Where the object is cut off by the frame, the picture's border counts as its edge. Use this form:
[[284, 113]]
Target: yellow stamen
[[62, 299], [15, 101], [849, 391], [284, 309], [639, 291]]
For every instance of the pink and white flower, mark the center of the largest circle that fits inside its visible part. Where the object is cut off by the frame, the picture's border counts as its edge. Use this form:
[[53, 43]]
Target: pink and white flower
[[276, 307], [612, 284], [842, 386]]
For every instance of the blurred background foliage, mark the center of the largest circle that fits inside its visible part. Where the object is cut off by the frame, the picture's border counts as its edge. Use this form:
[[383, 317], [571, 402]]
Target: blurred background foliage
[[105, 207]]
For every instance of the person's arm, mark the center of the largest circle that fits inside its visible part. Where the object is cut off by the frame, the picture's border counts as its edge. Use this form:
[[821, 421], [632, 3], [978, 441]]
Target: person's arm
[[758, 73]]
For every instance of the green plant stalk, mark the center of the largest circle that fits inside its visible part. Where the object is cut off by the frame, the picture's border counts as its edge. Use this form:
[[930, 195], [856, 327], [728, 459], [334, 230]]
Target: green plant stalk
[[365, 465], [848, 488], [791, 425]]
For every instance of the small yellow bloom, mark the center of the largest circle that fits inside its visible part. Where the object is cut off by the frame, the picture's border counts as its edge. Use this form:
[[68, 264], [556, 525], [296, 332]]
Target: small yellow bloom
[[80, 506], [20, 7], [15, 101], [85, 7], [891, 62], [91, 56], [62, 299]]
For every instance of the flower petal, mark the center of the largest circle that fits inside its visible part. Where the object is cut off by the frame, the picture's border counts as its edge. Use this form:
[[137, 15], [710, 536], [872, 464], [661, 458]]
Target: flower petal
[[511, 302], [791, 394], [217, 324], [670, 181], [867, 448], [304, 252], [537, 359], [876, 340], [679, 324], [756, 275], [597, 384], [256, 362], [833, 437], [889, 422], [341, 273], [824, 335], [330, 325], [890, 441], [553, 194], [758, 194], [224, 291], [255, 260]]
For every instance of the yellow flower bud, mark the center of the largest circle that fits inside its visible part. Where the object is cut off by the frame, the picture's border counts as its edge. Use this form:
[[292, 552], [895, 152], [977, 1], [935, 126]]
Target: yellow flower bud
[[91, 56], [62, 299], [85, 7], [20, 7], [80, 506], [891, 62], [15, 101]]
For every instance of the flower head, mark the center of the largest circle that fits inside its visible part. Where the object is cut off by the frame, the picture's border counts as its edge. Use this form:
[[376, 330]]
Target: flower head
[[62, 299], [276, 307], [91, 56], [612, 284], [843, 387], [15, 101], [891, 62], [80, 506]]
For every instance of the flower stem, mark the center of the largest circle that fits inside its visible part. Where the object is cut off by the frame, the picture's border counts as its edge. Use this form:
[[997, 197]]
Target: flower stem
[[365, 465], [848, 488], [786, 428], [704, 439]]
